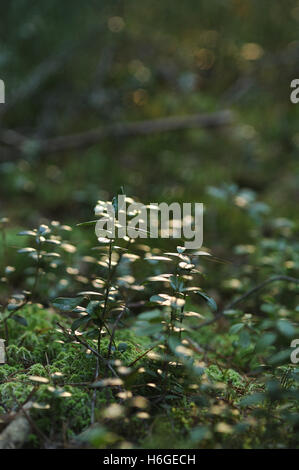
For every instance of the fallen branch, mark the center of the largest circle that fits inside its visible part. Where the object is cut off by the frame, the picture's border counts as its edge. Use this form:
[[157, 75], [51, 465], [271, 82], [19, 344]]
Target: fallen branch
[[86, 139]]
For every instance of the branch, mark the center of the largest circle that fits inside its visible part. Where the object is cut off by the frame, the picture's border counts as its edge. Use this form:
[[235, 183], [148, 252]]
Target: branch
[[113, 332], [132, 129], [259, 287], [142, 355]]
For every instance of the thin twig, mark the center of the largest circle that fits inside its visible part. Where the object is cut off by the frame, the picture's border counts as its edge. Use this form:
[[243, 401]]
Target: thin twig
[[259, 287], [142, 355], [113, 332], [244, 296]]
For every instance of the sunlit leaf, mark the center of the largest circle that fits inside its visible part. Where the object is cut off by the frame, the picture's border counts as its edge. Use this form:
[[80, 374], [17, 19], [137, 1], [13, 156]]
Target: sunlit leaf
[[29, 233], [27, 250]]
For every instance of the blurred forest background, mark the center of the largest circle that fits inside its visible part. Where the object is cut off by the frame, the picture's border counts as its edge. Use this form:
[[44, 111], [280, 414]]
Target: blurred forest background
[[73, 67]]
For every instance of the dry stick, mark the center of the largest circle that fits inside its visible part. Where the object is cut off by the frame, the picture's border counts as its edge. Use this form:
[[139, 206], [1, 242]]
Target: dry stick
[[244, 296], [131, 129], [142, 355]]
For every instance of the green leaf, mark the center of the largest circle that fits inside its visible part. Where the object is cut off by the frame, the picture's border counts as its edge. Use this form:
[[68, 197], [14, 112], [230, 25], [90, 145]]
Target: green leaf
[[173, 342], [66, 304], [160, 299], [151, 315], [52, 255], [211, 302], [122, 347], [232, 312], [93, 307], [20, 320], [282, 357], [44, 229], [90, 293], [12, 307], [80, 322], [92, 334], [199, 433], [285, 328], [265, 341], [147, 329], [236, 328], [27, 250], [253, 399], [244, 339], [53, 242], [29, 233]]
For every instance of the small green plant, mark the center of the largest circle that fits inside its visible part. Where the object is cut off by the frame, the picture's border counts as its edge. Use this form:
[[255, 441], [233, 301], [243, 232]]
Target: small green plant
[[143, 340]]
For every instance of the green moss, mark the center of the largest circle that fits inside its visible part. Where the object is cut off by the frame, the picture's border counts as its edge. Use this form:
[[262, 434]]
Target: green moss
[[15, 392], [228, 376], [63, 400], [38, 350], [6, 370], [19, 355]]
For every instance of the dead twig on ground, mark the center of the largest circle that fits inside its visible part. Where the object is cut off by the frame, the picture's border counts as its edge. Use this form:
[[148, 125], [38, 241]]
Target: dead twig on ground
[[86, 139]]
